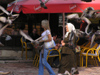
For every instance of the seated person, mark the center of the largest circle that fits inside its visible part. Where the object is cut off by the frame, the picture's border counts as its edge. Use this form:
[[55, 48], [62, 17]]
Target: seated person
[[55, 61], [34, 34]]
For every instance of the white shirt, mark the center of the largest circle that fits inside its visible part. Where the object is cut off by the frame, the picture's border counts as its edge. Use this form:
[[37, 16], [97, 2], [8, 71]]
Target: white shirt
[[47, 32]]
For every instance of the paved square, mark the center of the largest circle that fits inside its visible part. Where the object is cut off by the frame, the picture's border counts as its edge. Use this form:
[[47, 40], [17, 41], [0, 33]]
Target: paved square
[[29, 69]]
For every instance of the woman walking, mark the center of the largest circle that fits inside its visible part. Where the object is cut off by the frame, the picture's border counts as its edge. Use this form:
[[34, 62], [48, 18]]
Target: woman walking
[[68, 64], [43, 59]]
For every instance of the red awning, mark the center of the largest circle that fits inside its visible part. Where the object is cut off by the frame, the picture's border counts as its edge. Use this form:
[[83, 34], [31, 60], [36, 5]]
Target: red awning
[[54, 6]]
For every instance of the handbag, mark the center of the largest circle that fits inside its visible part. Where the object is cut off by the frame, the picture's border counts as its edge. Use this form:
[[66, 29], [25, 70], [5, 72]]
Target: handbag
[[50, 44]]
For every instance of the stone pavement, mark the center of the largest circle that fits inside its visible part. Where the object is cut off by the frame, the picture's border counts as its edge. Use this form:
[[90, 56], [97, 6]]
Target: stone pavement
[[27, 68]]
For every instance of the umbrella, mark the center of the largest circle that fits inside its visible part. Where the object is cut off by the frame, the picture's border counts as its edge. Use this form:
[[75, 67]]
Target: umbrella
[[54, 6]]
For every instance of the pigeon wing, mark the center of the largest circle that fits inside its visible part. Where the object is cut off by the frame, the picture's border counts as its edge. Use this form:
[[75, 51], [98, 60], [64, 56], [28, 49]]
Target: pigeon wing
[[26, 36], [72, 16], [4, 10]]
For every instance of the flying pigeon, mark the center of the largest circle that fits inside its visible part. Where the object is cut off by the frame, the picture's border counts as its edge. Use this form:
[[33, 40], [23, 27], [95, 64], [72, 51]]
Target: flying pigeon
[[26, 36], [92, 40], [29, 38], [89, 12], [2, 29], [76, 16], [43, 3], [11, 17]]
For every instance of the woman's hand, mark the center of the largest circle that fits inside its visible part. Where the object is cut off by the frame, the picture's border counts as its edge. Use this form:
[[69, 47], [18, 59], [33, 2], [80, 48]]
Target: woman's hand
[[62, 42]]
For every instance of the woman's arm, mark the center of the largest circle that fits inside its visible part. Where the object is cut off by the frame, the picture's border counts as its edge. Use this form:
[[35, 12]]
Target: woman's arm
[[49, 38], [64, 44]]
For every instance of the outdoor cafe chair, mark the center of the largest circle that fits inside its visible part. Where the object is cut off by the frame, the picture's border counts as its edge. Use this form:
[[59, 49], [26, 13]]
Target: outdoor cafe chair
[[25, 46], [56, 54], [90, 52], [37, 56]]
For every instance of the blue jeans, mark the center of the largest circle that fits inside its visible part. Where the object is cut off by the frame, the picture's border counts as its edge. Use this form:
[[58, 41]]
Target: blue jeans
[[43, 62]]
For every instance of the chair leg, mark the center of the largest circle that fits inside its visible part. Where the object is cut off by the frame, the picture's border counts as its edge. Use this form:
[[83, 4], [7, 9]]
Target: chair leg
[[26, 53], [22, 52], [34, 60], [86, 60], [38, 61], [82, 61]]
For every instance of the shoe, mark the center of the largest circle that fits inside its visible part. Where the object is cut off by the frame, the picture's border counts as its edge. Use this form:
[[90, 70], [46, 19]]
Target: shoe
[[4, 73], [66, 73], [73, 70], [43, 5]]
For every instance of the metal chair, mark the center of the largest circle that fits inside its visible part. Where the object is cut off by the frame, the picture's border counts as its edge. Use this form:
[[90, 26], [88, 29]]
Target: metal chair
[[37, 56], [90, 52], [85, 45], [57, 54], [25, 46]]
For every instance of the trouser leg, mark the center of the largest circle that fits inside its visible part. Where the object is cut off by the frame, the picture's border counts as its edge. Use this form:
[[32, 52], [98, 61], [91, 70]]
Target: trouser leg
[[41, 67], [46, 64]]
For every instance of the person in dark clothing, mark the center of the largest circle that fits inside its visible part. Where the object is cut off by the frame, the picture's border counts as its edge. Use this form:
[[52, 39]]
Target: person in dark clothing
[[68, 60], [34, 34]]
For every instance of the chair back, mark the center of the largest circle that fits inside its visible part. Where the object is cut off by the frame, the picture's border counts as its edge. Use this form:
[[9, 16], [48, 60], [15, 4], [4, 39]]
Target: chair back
[[97, 52], [23, 40], [98, 49], [95, 45], [87, 44]]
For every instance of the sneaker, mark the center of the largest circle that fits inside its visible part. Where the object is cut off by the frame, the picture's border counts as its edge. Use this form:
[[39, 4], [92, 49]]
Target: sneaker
[[73, 70], [43, 5]]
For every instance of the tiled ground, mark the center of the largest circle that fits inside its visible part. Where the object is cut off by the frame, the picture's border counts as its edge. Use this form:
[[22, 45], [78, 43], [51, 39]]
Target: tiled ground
[[29, 69]]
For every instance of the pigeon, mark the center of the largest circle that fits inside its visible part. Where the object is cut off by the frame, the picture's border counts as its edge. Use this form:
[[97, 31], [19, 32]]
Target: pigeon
[[89, 12], [29, 38], [43, 3], [26, 36], [11, 17], [2, 29], [92, 40], [76, 16], [4, 11]]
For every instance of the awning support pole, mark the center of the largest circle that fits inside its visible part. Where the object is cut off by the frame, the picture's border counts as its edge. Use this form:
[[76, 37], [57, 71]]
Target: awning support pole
[[63, 25]]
